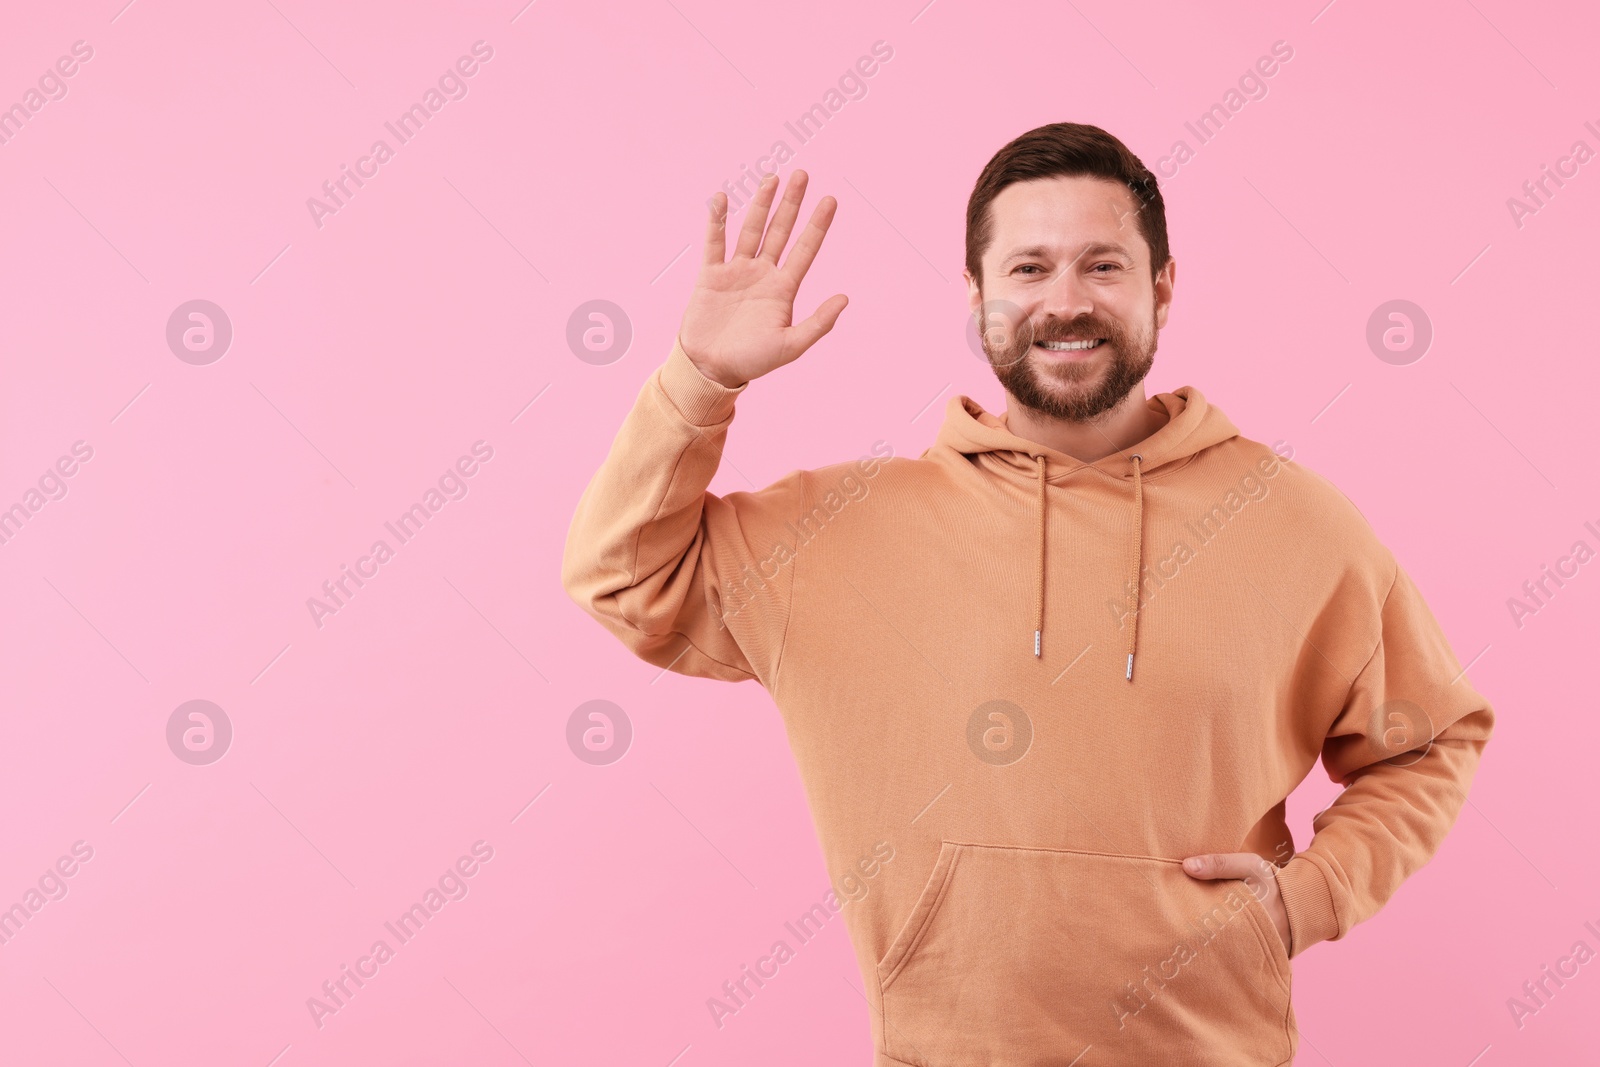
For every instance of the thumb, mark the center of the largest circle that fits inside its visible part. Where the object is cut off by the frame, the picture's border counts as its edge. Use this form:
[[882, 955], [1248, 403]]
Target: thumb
[[812, 330]]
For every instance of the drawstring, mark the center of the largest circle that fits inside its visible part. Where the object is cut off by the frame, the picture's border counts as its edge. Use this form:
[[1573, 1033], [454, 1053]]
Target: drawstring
[[1138, 561], [1038, 621], [1135, 553]]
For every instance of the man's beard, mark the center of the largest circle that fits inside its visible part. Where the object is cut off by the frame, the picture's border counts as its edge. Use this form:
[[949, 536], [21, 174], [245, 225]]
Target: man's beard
[[1069, 391]]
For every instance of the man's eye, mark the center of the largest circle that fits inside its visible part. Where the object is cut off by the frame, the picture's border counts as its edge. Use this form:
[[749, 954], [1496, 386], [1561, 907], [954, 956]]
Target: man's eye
[[1026, 266], [1113, 266]]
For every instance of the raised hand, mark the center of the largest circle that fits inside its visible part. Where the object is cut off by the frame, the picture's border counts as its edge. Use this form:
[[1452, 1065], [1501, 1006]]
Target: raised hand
[[740, 320]]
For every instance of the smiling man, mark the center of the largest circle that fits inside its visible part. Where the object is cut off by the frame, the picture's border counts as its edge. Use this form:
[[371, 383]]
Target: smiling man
[[1086, 807]]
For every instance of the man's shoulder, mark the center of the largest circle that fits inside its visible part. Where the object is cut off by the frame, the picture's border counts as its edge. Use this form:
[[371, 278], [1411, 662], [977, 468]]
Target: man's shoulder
[[1316, 508], [876, 470], [880, 465]]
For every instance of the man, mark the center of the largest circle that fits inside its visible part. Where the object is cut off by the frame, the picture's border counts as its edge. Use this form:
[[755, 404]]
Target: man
[[1067, 664]]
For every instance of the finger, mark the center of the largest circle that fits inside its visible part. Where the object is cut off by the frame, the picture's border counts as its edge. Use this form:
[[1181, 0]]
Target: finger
[[716, 230], [783, 220], [1256, 872], [1221, 865], [805, 247], [809, 332], [756, 220]]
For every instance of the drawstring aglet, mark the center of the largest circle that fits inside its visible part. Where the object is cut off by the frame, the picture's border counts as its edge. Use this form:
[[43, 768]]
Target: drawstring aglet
[[1129, 675], [1036, 644]]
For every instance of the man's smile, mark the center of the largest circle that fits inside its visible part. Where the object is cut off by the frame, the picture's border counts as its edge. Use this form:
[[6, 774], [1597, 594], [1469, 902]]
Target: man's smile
[[1071, 349]]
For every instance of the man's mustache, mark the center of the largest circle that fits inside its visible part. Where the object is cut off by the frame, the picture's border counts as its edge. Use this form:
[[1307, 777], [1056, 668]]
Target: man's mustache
[[1078, 329]]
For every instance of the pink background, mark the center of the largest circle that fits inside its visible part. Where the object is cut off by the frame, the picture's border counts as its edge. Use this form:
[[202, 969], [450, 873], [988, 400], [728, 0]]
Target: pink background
[[372, 352]]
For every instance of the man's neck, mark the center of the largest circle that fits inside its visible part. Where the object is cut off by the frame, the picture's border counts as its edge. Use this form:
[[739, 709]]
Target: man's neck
[[1125, 425]]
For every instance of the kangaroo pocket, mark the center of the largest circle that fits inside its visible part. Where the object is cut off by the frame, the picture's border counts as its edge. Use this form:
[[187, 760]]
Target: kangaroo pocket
[[1034, 956]]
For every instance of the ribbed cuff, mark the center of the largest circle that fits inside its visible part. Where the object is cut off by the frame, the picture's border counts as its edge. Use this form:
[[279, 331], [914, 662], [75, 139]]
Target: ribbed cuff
[[701, 401], [1308, 903]]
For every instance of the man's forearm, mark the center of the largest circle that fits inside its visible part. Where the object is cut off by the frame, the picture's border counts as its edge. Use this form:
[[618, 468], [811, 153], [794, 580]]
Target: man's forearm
[[1406, 745], [652, 555]]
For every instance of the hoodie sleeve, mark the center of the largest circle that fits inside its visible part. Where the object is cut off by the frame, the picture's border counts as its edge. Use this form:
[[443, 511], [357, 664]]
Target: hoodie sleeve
[[1405, 746], [689, 581]]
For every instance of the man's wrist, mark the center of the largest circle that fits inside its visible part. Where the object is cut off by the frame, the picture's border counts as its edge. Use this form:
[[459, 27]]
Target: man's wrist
[[710, 375], [1308, 902], [701, 400]]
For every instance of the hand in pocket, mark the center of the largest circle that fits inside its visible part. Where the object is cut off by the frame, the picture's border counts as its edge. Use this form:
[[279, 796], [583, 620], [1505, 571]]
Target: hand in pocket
[[1259, 874]]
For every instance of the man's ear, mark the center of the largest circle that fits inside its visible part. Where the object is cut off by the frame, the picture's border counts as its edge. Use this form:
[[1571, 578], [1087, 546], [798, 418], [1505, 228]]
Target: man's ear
[[1163, 287], [974, 294]]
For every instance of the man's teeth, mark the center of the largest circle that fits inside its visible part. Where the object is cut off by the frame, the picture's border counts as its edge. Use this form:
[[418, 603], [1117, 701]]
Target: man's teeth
[[1070, 346]]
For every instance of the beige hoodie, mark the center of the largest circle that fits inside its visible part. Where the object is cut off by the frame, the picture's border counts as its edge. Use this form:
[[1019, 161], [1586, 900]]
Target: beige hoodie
[[975, 684]]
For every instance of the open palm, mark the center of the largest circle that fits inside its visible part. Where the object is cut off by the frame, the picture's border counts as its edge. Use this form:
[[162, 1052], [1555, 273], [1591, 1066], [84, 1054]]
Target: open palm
[[740, 323]]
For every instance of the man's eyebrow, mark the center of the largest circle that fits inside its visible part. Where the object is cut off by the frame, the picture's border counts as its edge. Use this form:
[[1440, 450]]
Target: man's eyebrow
[[1096, 249]]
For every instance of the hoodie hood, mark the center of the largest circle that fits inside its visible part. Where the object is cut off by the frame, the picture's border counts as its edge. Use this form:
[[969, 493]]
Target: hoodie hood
[[1192, 425]]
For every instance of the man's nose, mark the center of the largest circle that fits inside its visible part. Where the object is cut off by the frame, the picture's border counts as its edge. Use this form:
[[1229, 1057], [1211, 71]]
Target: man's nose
[[1066, 297]]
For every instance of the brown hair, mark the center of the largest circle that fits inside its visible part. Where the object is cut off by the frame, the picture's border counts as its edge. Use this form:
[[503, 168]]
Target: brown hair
[[1066, 149]]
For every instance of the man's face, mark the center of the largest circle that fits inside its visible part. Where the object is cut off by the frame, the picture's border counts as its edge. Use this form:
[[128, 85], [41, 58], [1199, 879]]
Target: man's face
[[1067, 264]]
